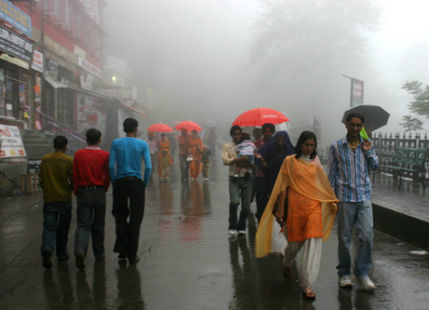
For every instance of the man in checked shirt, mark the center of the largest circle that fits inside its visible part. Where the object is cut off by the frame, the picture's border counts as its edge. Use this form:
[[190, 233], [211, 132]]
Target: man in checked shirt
[[350, 161]]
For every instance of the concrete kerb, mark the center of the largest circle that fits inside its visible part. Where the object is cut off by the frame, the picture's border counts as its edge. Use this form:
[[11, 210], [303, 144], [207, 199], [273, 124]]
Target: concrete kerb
[[399, 225]]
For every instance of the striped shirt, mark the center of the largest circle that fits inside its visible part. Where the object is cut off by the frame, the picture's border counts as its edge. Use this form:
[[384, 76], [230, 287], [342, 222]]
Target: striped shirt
[[349, 171]]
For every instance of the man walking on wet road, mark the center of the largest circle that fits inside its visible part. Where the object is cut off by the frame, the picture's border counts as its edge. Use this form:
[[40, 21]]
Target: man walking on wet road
[[90, 182], [350, 161], [126, 155], [56, 181], [240, 183]]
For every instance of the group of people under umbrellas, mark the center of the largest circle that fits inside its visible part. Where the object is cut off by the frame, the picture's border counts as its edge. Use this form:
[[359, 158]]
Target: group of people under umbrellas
[[291, 188], [193, 154]]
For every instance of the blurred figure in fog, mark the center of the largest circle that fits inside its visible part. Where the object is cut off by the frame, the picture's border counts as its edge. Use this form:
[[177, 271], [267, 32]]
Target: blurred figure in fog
[[183, 141], [206, 162], [153, 147], [211, 141], [56, 180], [195, 151], [164, 158]]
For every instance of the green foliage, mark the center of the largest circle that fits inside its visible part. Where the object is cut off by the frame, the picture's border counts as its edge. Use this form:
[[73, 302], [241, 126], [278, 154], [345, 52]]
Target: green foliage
[[420, 105], [411, 123]]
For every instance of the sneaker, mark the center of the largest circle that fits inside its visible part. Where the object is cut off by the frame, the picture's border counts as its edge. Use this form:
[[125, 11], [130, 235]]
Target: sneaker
[[241, 232], [206, 179], [367, 284], [346, 281], [232, 233], [47, 260], [80, 260]]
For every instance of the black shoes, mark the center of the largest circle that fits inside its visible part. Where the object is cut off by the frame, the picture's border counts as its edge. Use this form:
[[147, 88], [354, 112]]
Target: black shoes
[[122, 257], [133, 260], [80, 260], [46, 260]]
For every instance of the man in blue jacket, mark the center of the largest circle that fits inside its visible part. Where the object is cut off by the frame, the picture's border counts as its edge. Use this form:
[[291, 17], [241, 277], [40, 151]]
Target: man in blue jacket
[[125, 174]]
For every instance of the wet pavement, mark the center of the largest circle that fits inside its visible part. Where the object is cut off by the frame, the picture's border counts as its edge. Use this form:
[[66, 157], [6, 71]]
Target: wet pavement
[[188, 262]]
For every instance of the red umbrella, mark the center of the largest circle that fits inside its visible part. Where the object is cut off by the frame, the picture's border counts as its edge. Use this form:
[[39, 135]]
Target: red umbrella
[[188, 125], [159, 128], [259, 116]]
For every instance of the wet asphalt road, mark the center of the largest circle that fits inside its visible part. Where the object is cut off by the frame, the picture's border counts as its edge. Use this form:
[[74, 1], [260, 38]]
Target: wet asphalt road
[[188, 262]]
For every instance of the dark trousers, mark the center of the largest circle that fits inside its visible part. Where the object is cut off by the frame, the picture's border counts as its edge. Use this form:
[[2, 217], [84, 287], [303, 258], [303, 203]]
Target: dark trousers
[[240, 190], [261, 195], [56, 225], [128, 216], [184, 166], [91, 213]]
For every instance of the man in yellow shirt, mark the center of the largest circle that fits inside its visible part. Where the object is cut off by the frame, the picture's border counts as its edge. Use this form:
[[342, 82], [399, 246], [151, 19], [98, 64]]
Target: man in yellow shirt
[[56, 180]]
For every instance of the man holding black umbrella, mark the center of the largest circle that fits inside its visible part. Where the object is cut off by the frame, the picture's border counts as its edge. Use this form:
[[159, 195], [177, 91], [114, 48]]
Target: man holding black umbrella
[[350, 161]]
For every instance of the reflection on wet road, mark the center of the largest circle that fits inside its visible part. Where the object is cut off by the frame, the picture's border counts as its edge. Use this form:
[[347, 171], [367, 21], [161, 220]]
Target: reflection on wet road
[[188, 262]]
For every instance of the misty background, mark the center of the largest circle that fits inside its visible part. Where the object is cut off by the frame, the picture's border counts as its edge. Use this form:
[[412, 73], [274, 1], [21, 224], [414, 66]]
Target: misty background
[[210, 60]]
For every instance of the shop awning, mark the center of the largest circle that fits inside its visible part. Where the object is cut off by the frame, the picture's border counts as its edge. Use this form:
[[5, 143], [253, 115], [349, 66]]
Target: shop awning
[[55, 84]]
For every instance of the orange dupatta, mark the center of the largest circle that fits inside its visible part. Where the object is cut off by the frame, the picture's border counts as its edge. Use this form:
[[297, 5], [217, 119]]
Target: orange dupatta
[[312, 183]]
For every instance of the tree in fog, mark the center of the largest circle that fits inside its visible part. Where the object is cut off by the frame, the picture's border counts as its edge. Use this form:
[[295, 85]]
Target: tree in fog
[[302, 47], [411, 123], [420, 105]]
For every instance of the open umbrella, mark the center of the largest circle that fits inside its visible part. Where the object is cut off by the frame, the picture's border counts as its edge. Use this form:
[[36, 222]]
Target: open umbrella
[[159, 128], [260, 116], [375, 116], [188, 125]]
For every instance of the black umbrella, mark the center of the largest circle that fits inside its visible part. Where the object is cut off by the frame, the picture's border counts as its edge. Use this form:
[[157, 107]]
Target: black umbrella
[[375, 116]]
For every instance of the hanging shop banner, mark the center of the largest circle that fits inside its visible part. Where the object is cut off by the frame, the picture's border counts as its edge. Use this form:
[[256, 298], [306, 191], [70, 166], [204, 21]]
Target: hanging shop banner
[[10, 142], [83, 63], [14, 45], [356, 97], [15, 17], [37, 61]]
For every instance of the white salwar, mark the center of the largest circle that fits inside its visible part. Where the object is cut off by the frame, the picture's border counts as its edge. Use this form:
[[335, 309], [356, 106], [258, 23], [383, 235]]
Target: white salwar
[[309, 263]]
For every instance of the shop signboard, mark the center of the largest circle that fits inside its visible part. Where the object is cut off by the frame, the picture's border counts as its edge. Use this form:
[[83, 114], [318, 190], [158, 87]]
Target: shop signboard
[[10, 142], [83, 63], [15, 45], [15, 17], [37, 61], [356, 95]]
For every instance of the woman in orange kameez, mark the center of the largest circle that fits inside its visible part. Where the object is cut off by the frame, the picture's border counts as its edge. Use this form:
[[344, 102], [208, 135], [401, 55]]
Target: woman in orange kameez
[[311, 209], [195, 149], [164, 158]]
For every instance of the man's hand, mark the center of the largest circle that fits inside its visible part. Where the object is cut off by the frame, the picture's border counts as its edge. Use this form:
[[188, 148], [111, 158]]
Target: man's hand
[[366, 145]]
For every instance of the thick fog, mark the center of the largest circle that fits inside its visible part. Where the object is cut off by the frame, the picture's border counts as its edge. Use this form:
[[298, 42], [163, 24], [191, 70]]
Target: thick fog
[[210, 60]]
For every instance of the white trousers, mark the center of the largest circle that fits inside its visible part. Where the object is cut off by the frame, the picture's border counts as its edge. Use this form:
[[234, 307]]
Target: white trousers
[[309, 263]]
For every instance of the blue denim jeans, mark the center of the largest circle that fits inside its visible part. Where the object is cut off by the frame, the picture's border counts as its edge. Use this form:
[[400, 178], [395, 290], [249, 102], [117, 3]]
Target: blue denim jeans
[[239, 189], [356, 215], [56, 225], [91, 213]]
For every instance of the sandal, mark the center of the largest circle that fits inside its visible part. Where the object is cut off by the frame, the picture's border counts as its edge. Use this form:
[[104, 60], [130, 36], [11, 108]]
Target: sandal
[[308, 294]]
